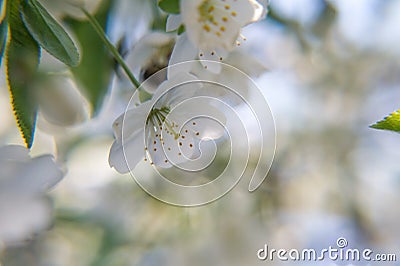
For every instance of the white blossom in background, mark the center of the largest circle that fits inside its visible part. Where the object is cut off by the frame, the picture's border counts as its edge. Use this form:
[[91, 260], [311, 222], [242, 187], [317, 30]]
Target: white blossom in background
[[212, 28], [24, 210], [129, 20], [149, 55], [62, 8], [60, 101], [151, 132]]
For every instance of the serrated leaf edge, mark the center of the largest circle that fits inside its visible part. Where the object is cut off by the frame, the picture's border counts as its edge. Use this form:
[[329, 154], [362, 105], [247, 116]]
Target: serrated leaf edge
[[27, 134], [378, 125]]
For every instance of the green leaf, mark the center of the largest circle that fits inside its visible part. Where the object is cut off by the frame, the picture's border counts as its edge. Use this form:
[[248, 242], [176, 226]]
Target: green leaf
[[94, 72], [391, 122], [3, 37], [181, 29], [48, 33], [3, 28], [22, 58], [170, 6]]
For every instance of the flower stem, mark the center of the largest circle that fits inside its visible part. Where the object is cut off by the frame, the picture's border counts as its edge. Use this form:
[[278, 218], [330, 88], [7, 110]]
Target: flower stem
[[97, 27]]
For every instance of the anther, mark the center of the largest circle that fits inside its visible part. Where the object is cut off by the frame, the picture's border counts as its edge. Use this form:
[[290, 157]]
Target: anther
[[207, 28]]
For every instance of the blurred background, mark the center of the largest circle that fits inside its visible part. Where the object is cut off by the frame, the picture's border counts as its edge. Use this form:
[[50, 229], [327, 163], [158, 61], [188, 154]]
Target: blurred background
[[333, 71]]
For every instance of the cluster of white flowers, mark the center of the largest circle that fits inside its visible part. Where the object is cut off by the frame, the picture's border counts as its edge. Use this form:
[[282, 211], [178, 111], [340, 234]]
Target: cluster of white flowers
[[212, 32], [24, 209], [149, 132]]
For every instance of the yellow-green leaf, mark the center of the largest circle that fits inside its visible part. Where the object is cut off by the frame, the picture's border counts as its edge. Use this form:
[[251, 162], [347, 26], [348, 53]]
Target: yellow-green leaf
[[22, 58], [391, 122], [48, 33]]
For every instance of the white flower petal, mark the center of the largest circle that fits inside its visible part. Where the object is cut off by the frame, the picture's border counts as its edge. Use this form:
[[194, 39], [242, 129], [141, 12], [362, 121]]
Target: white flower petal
[[243, 11], [183, 51], [166, 149], [148, 49], [122, 158], [207, 56], [131, 121], [129, 20], [116, 158], [60, 101], [14, 152], [217, 24], [207, 121], [21, 174], [192, 150], [23, 182], [21, 217], [130, 127], [173, 22], [191, 17], [246, 63], [259, 11], [185, 84], [45, 173]]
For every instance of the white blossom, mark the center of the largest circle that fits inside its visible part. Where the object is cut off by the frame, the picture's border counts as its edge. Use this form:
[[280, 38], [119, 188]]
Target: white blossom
[[23, 181], [60, 101], [149, 55], [212, 28], [153, 133], [212, 24]]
